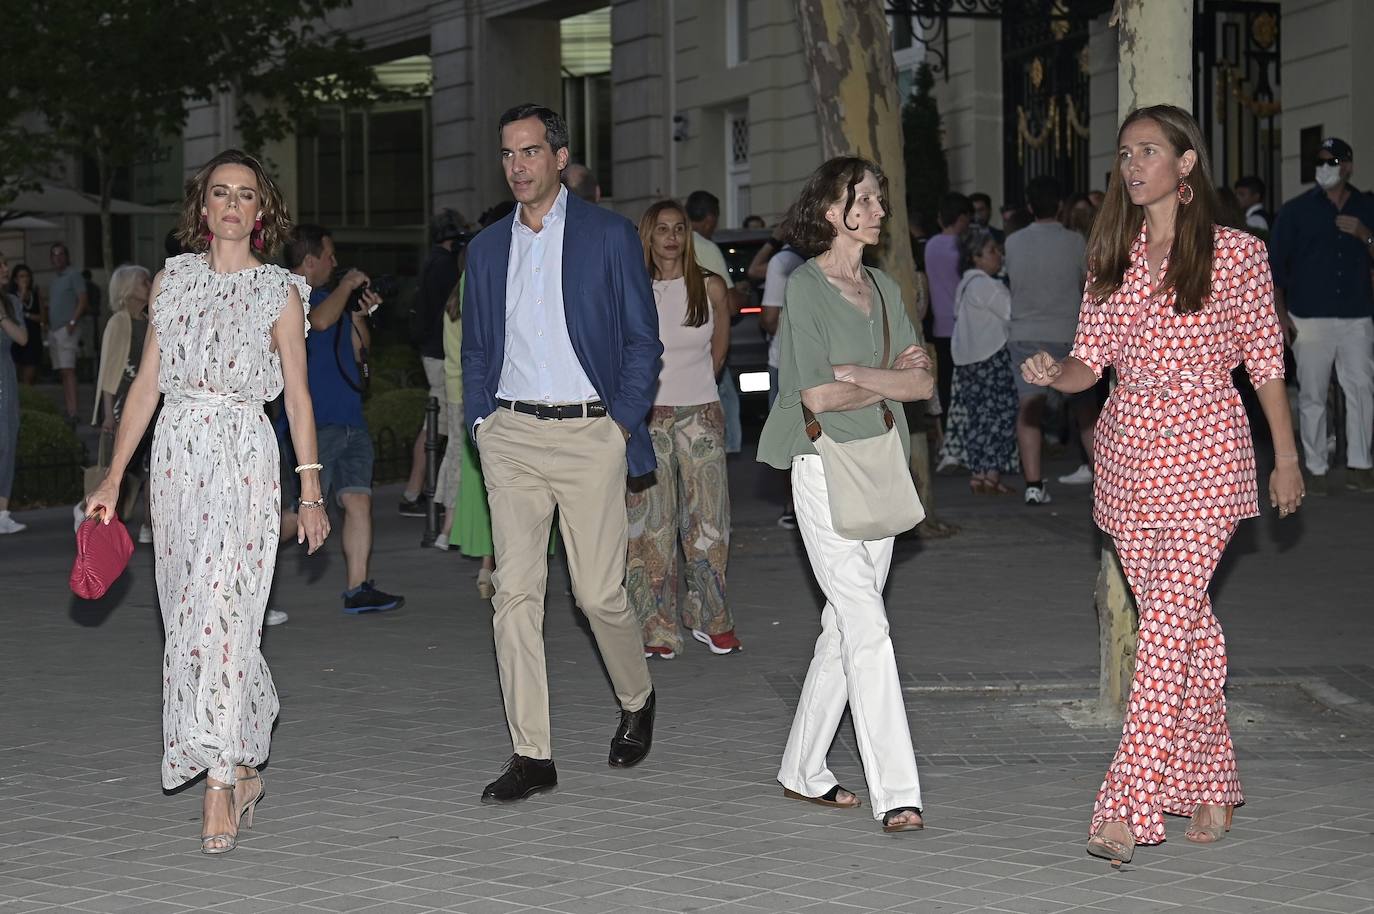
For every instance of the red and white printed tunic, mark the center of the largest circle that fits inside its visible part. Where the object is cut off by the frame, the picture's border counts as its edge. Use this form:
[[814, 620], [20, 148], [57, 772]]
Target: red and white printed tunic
[[1172, 447]]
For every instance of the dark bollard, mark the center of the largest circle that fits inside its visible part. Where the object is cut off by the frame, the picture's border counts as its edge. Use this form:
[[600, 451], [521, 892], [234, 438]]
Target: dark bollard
[[431, 470]]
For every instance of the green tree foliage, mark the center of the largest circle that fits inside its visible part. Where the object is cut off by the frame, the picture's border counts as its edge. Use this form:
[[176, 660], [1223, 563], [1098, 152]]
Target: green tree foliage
[[927, 173], [112, 78]]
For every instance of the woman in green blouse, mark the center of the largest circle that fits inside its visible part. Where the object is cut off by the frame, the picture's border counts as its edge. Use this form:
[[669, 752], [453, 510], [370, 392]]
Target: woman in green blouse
[[832, 340]]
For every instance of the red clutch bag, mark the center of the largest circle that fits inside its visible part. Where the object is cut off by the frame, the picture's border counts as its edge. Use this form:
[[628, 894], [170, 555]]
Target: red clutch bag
[[102, 554]]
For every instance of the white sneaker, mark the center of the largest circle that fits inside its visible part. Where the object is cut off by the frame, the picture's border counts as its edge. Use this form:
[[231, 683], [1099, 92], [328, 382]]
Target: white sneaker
[[1037, 495], [275, 617], [9, 524], [947, 464], [440, 542], [145, 533], [1079, 477]]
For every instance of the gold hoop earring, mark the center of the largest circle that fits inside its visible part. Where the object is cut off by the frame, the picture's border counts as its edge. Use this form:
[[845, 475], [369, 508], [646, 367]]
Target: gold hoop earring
[[1185, 192]]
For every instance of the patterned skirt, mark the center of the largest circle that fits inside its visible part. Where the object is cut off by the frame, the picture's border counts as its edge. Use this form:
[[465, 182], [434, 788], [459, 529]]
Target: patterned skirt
[[981, 433]]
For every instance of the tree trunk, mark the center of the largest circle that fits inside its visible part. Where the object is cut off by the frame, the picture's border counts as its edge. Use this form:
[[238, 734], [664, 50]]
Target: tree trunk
[[1116, 633], [1154, 66], [849, 54]]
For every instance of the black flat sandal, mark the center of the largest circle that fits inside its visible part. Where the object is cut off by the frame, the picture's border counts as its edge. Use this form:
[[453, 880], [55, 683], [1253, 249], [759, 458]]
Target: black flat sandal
[[826, 799], [889, 826]]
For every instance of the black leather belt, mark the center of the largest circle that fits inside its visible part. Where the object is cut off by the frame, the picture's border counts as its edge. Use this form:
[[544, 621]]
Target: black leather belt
[[590, 410]]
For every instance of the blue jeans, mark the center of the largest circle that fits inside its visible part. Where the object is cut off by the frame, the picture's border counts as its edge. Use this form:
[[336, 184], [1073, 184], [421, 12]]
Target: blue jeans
[[729, 404]]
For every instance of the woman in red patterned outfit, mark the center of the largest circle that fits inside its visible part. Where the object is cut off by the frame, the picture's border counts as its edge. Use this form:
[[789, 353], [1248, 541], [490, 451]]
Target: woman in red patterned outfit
[[1174, 303]]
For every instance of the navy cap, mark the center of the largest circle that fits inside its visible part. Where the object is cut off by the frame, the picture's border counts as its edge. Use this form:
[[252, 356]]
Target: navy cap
[[1338, 147]]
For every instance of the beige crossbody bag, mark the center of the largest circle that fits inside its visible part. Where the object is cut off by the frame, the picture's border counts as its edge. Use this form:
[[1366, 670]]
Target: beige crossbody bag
[[868, 482]]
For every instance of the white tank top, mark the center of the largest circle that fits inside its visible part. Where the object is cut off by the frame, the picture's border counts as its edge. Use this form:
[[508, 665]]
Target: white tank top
[[687, 377]]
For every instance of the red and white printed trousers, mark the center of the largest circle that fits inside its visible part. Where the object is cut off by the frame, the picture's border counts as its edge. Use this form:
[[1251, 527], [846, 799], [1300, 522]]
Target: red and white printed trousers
[[1175, 747]]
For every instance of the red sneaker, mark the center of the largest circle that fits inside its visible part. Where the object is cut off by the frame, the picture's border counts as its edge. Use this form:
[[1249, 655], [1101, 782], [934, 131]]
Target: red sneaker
[[659, 651], [724, 643]]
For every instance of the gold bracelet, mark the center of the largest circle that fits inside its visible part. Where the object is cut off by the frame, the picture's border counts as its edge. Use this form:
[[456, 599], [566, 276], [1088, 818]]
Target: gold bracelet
[[317, 503], [310, 466]]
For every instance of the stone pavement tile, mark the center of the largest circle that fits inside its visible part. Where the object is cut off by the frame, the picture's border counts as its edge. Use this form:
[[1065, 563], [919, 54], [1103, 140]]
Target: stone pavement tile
[[1330, 901], [482, 906], [248, 906]]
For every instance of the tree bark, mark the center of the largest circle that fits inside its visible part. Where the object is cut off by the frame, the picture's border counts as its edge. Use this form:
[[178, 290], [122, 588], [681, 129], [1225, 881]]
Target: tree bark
[[849, 55], [1154, 66]]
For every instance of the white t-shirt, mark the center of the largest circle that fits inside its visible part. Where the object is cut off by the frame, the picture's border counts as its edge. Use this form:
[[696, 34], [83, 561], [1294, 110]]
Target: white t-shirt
[[709, 257], [780, 266]]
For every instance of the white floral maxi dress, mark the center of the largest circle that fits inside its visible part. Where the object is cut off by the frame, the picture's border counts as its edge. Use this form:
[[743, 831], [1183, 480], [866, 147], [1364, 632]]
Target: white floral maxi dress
[[216, 507]]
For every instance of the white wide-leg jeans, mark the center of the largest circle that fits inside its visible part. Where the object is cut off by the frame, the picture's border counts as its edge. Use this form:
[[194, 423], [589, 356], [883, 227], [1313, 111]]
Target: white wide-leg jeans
[[1348, 344], [853, 663]]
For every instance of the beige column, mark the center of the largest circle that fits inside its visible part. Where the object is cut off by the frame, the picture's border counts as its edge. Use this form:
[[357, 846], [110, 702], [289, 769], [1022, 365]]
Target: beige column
[[1155, 62]]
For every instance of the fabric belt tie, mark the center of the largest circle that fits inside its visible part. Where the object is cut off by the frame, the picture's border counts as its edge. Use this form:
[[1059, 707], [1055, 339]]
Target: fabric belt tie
[[590, 410], [1175, 382], [207, 400]]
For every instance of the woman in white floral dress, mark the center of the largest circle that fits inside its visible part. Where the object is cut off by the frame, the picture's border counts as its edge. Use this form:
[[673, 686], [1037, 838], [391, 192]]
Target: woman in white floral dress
[[227, 333]]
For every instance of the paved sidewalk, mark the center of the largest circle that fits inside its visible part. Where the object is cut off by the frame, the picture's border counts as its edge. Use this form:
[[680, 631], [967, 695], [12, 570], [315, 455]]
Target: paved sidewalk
[[391, 725]]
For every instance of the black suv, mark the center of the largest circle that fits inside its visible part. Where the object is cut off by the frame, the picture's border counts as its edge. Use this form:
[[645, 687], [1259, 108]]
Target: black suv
[[748, 358]]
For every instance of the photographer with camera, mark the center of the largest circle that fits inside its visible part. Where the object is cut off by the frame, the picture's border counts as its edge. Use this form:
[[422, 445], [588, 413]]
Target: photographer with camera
[[336, 354], [438, 279]]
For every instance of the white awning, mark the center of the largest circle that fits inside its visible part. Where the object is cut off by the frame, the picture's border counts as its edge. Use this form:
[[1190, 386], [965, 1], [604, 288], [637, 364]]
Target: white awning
[[56, 199]]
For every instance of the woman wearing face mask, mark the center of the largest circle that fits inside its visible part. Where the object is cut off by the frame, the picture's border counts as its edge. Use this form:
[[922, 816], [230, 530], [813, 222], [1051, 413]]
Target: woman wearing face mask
[[687, 499], [832, 331], [1174, 302], [226, 334]]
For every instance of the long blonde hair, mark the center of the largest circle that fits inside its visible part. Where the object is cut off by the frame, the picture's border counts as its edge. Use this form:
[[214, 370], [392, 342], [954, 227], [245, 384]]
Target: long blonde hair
[[698, 304], [1118, 223]]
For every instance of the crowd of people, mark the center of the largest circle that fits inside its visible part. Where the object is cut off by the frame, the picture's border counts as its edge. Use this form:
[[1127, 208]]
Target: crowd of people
[[1038, 264], [577, 359]]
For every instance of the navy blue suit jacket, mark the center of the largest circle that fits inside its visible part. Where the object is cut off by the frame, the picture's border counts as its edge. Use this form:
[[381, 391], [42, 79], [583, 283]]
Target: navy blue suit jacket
[[612, 319]]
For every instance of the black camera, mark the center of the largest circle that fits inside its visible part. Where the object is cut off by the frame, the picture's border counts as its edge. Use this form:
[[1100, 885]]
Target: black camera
[[383, 286]]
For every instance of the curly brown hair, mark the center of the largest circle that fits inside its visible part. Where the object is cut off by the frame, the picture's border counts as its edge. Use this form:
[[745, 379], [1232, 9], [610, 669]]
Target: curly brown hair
[[276, 221], [807, 230]]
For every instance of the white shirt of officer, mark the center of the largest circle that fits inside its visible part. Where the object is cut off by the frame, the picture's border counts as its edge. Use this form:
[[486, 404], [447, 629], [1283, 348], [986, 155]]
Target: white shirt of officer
[[540, 363]]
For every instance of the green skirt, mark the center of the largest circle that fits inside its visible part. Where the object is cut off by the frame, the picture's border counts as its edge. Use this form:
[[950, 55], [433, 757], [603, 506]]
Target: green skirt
[[471, 515]]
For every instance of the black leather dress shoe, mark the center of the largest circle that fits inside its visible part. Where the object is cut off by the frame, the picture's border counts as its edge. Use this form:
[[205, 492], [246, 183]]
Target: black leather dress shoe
[[522, 777], [634, 736]]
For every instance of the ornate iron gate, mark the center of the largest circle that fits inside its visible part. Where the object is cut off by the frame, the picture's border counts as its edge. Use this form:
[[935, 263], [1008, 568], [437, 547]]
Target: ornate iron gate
[[1045, 93], [1236, 89]]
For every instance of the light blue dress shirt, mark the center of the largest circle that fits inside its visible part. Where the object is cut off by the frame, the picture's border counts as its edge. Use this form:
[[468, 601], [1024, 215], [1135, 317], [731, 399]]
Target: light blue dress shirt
[[540, 363]]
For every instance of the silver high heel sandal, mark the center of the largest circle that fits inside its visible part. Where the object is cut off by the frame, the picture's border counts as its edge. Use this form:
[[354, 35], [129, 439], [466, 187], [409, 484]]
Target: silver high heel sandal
[[232, 841], [245, 815]]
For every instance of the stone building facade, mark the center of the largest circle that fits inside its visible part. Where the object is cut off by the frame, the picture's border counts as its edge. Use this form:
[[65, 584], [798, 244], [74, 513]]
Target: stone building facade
[[669, 96]]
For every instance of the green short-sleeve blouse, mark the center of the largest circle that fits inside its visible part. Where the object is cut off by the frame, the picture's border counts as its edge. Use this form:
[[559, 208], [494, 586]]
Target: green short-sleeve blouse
[[819, 330]]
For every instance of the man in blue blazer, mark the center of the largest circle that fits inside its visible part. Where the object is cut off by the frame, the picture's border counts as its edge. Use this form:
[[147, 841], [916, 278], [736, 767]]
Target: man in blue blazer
[[560, 363]]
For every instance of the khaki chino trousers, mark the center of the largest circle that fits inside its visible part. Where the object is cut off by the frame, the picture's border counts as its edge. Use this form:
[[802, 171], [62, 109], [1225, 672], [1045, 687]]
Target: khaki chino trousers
[[532, 466]]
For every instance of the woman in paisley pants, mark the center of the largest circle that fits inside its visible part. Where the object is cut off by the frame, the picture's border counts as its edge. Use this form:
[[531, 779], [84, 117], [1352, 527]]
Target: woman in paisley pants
[[687, 499]]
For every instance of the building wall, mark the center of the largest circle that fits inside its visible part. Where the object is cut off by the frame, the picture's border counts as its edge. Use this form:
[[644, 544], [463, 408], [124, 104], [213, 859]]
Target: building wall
[[1326, 66], [1102, 103], [971, 107]]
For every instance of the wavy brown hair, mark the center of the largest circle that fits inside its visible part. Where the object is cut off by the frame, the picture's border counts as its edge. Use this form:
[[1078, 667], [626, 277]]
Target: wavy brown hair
[[276, 221], [835, 180], [698, 305], [1118, 223]]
